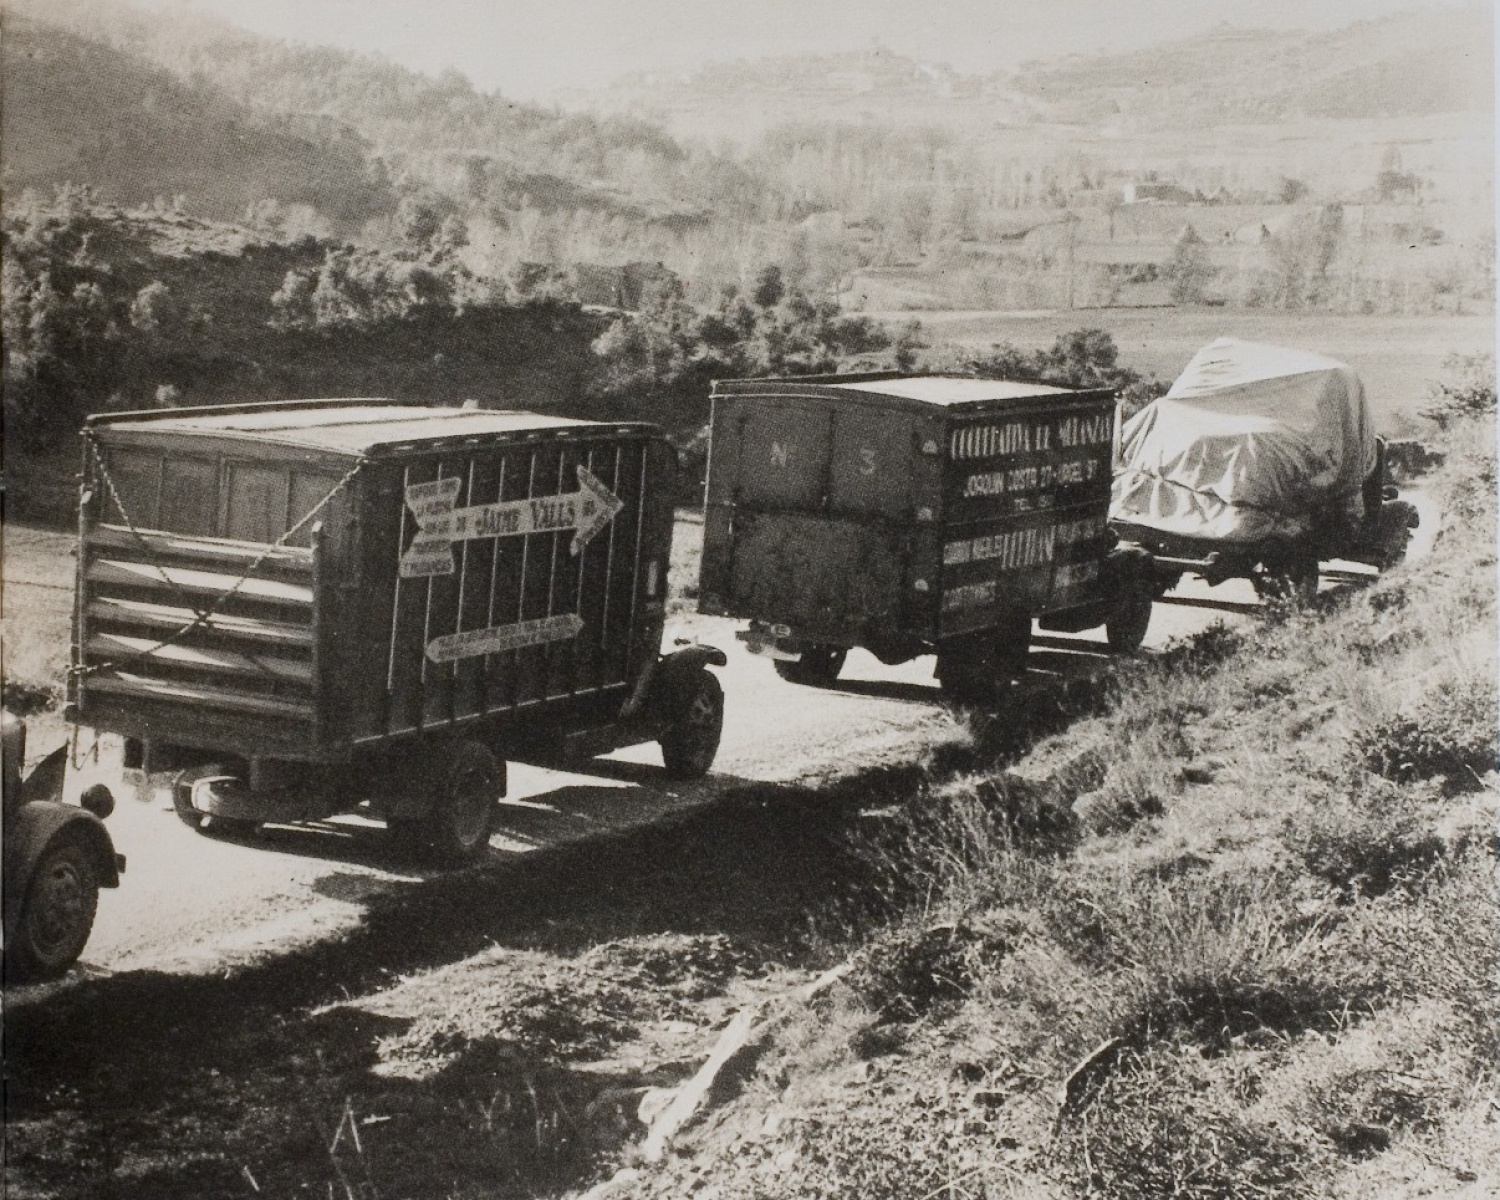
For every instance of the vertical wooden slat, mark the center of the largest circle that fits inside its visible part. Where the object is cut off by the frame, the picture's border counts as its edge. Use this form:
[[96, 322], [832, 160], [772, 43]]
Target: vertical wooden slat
[[522, 659], [409, 636], [495, 677], [320, 697], [442, 601], [477, 591]]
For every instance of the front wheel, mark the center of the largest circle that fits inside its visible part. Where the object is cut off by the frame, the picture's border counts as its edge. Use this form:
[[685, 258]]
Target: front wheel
[[689, 746], [57, 913], [819, 665], [465, 783]]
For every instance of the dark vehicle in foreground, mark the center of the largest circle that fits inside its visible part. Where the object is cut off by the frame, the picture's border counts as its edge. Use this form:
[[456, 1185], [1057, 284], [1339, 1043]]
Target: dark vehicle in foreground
[[318, 606], [1260, 463], [915, 514], [56, 858]]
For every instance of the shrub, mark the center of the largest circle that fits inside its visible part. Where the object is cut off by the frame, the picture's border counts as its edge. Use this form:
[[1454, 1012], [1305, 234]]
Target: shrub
[[1450, 735], [1157, 1128], [1470, 393], [1366, 850]]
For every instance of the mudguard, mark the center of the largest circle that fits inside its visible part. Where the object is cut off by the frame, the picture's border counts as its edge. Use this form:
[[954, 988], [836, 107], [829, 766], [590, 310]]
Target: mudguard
[[34, 827], [674, 670]]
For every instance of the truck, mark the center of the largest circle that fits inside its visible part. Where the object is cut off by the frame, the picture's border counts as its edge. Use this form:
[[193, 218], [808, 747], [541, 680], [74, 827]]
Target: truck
[[911, 514], [1261, 462], [56, 858], [303, 608]]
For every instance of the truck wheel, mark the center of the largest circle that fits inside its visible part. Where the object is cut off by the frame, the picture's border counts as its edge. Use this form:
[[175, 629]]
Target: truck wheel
[[1397, 519], [57, 914], [465, 783], [1293, 582], [1126, 630], [182, 805], [689, 747], [819, 666]]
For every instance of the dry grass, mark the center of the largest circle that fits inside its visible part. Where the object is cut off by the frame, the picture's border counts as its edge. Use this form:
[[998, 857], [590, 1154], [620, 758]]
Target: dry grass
[[1235, 936]]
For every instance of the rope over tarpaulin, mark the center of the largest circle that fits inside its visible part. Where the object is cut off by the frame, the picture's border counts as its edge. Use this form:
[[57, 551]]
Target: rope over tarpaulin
[[202, 613]]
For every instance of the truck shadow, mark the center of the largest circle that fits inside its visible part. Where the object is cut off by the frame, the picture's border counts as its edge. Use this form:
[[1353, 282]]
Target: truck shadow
[[202, 1076]]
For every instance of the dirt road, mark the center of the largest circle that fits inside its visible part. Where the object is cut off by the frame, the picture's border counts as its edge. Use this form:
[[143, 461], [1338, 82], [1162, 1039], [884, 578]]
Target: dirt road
[[193, 904]]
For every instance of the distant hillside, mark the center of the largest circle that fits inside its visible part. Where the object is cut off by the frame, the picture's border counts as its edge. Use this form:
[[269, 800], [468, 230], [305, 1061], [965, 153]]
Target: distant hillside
[[1411, 64], [477, 149], [80, 111]]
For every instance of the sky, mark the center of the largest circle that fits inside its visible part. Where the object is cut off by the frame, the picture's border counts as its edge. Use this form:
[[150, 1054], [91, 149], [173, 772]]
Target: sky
[[539, 49]]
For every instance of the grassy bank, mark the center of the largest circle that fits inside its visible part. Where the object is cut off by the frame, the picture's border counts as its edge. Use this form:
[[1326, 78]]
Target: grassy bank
[[1234, 936]]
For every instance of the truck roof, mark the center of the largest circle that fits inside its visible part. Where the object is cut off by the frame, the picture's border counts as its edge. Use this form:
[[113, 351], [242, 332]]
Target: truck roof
[[942, 391], [353, 426]]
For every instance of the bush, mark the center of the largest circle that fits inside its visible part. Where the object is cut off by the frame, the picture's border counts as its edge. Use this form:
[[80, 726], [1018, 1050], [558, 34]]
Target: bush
[[1365, 850], [1471, 393], [1157, 1128], [1450, 735]]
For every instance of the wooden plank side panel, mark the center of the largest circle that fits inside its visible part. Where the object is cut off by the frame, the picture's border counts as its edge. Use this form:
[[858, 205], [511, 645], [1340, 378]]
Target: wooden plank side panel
[[441, 613], [512, 555], [560, 658], [363, 646], [592, 582], [476, 564], [406, 651], [165, 619], [624, 563]]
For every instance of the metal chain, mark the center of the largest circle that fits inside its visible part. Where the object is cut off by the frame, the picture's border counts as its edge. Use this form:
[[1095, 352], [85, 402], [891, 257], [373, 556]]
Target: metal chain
[[201, 615]]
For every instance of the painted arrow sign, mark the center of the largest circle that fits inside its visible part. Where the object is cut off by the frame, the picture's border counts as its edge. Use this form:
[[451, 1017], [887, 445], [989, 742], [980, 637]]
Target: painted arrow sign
[[440, 523], [499, 638]]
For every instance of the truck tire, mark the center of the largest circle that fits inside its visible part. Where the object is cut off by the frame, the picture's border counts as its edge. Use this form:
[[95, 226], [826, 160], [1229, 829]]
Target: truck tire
[[1126, 629], [819, 666], [464, 785], [689, 746], [970, 669], [1291, 582], [1397, 519], [57, 913]]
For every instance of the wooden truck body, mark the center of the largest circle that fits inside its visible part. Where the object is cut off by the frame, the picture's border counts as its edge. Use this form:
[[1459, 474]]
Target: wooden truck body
[[336, 583], [911, 514]]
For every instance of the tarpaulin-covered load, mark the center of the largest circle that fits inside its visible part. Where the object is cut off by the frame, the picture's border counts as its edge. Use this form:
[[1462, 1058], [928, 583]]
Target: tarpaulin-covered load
[[1253, 443]]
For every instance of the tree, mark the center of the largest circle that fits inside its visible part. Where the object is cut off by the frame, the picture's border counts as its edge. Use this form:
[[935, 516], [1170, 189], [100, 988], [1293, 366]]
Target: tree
[[1189, 271], [768, 288]]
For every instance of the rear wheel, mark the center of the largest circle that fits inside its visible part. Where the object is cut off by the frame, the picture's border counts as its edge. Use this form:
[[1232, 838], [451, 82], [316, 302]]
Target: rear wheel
[[1294, 581], [688, 749], [1126, 630], [57, 914], [819, 665], [464, 783], [1397, 519]]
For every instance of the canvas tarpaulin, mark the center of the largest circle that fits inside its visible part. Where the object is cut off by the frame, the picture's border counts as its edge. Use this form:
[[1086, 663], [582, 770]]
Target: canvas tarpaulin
[[1252, 443]]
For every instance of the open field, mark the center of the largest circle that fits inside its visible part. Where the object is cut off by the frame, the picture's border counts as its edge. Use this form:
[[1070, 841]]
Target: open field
[[1395, 356]]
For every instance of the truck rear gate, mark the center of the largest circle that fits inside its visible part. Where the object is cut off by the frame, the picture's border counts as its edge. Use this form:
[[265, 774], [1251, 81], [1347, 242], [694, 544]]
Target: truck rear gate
[[301, 583], [900, 512]]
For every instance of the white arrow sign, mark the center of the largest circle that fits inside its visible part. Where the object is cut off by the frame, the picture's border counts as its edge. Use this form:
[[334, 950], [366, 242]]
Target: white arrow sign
[[500, 638], [440, 524]]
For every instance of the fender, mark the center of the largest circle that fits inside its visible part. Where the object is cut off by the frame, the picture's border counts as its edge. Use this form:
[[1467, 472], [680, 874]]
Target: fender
[[34, 827], [668, 674]]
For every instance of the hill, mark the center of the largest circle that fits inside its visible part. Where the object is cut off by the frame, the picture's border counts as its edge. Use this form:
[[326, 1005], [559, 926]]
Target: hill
[[79, 111], [1413, 64], [474, 150]]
